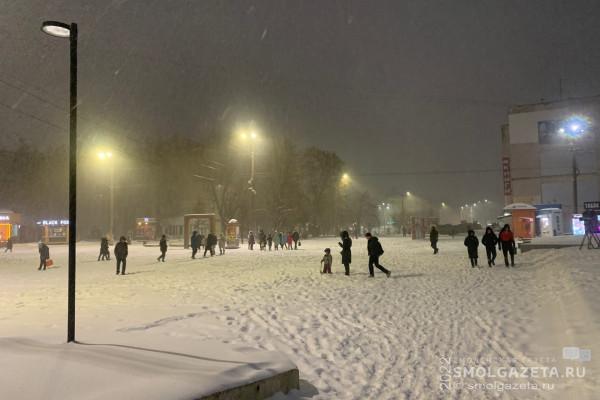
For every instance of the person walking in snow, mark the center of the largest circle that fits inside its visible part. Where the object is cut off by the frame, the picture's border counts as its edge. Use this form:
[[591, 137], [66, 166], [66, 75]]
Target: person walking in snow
[[163, 248], [201, 241], [472, 244], [433, 238], [296, 239], [251, 240], [44, 255], [282, 240], [121, 251], [195, 243], [506, 243], [262, 240], [270, 241], [211, 242], [375, 251], [326, 261], [490, 240], [276, 240], [222, 243], [290, 239], [104, 251], [346, 245], [9, 245]]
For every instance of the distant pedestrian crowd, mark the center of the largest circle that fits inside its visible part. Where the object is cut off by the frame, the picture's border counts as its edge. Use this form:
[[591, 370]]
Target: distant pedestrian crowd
[[289, 241], [276, 240]]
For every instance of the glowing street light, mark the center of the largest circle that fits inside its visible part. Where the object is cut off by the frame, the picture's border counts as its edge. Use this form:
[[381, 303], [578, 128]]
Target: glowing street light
[[62, 30], [103, 155], [58, 29]]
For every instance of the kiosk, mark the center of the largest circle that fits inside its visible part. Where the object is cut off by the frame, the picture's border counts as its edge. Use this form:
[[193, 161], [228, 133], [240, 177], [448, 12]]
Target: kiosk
[[233, 234], [145, 228], [54, 231], [521, 218], [550, 222], [9, 225]]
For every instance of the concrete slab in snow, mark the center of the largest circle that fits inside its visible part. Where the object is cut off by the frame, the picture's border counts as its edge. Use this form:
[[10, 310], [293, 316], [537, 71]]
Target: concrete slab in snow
[[211, 370]]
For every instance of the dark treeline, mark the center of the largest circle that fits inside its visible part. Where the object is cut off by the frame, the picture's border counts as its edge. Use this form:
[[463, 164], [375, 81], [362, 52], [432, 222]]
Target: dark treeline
[[166, 178]]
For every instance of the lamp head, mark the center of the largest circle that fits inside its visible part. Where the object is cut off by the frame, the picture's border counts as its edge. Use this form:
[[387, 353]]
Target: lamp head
[[55, 28], [574, 127]]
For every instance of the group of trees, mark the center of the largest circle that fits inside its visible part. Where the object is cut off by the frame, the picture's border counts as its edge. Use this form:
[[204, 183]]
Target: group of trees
[[292, 187], [168, 177]]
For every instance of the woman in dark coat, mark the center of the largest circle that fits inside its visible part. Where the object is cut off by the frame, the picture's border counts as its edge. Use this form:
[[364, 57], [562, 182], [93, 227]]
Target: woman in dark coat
[[472, 244], [346, 245]]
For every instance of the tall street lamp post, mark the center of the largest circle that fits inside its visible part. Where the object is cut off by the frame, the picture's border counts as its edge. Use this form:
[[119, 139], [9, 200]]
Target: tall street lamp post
[[107, 156], [574, 128], [403, 211], [253, 137], [343, 182], [62, 30]]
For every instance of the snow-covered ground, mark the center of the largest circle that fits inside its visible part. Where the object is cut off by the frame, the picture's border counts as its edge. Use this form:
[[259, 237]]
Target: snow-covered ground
[[351, 337]]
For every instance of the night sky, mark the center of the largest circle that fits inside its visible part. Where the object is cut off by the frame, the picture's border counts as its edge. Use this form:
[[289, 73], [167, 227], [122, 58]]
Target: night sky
[[411, 94]]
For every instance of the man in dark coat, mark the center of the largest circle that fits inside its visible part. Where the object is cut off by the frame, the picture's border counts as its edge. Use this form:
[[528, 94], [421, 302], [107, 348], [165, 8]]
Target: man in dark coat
[[472, 243], [346, 245], [121, 252], [209, 245], [262, 239], [195, 243], [490, 240], [433, 238], [296, 238], [44, 255], [375, 251], [163, 248]]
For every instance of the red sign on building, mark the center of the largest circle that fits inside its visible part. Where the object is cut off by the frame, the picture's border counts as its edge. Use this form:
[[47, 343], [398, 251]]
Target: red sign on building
[[506, 176]]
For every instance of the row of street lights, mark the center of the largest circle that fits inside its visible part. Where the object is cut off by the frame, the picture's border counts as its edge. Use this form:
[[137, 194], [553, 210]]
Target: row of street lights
[[468, 210]]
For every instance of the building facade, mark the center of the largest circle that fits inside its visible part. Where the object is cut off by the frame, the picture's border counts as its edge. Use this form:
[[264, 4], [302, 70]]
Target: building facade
[[551, 155]]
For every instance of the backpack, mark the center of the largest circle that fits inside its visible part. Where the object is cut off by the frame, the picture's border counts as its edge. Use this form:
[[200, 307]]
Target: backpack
[[379, 248]]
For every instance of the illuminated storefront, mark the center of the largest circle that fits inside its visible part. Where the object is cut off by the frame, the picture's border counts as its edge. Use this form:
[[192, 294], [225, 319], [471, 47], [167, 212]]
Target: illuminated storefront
[[54, 231], [9, 225]]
